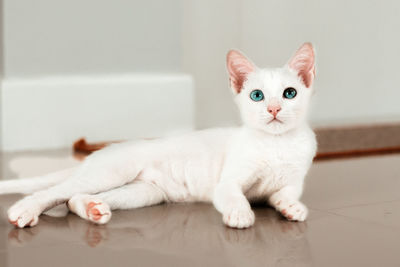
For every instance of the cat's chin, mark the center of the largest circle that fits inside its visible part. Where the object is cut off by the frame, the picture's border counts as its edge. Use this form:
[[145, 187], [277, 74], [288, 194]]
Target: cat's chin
[[274, 121], [276, 131], [276, 127]]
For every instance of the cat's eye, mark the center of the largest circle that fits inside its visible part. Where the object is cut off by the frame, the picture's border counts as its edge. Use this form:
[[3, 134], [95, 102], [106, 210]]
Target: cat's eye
[[289, 93], [256, 95]]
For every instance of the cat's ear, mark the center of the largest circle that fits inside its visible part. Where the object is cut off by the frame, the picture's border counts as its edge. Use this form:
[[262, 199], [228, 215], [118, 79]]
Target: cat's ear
[[238, 67], [303, 62]]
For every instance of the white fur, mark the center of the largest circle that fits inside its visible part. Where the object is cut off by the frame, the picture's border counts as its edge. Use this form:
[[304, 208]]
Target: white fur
[[259, 161]]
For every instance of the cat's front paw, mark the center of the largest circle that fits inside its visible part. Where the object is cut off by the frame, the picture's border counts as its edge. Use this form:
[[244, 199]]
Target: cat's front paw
[[24, 213], [239, 218], [292, 210]]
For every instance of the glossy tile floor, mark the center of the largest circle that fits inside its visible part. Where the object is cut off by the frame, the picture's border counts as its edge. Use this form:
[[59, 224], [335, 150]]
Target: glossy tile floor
[[354, 221]]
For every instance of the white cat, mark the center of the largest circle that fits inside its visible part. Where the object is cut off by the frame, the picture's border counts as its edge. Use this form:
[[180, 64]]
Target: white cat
[[264, 160]]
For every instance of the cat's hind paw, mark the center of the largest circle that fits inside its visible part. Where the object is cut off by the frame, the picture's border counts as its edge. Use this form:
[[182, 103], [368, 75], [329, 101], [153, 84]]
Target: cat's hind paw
[[90, 208], [23, 214], [98, 212]]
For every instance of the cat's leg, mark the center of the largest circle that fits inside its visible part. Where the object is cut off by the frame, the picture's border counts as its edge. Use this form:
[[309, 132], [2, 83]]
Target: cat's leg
[[97, 208], [286, 201], [100, 173], [229, 199], [33, 184]]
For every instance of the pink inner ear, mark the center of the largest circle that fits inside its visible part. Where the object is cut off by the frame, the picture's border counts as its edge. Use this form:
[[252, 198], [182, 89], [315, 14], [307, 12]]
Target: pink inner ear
[[238, 67], [303, 63]]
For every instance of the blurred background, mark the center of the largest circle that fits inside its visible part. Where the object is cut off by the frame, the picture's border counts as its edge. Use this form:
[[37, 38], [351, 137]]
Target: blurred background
[[114, 70]]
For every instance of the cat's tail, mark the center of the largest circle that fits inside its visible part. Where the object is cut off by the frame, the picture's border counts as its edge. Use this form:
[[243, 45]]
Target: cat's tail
[[33, 184]]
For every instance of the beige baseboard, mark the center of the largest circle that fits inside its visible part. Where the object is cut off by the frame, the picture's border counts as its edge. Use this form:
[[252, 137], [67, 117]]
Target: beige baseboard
[[360, 140]]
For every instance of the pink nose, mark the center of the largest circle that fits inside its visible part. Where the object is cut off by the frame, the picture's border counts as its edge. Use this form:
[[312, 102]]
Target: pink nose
[[274, 109]]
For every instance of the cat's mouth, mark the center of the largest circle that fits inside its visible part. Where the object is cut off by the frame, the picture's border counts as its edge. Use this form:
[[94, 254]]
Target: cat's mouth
[[275, 120]]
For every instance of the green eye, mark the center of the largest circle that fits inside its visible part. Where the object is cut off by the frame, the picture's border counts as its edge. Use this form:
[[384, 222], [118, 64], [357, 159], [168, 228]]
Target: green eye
[[289, 93], [256, 95]]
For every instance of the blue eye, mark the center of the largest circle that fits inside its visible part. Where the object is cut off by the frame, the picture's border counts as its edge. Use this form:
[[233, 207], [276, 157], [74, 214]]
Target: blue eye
[[256, 95], [289, 93]]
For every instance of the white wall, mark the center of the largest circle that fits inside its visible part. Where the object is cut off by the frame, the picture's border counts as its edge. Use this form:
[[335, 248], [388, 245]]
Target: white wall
[[357, 46], [57, 37], [107, 70], [55, 112], [211, 28], [1, 65]]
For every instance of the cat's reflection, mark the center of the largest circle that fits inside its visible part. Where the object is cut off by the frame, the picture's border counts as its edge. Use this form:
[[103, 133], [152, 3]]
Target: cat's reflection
[[187, 230]]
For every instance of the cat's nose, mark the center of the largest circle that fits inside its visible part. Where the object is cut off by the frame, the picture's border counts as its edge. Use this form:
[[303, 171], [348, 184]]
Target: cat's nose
[[274, 108]]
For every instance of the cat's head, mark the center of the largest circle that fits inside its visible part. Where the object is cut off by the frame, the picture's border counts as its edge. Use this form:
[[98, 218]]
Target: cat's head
[[273, 100]]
